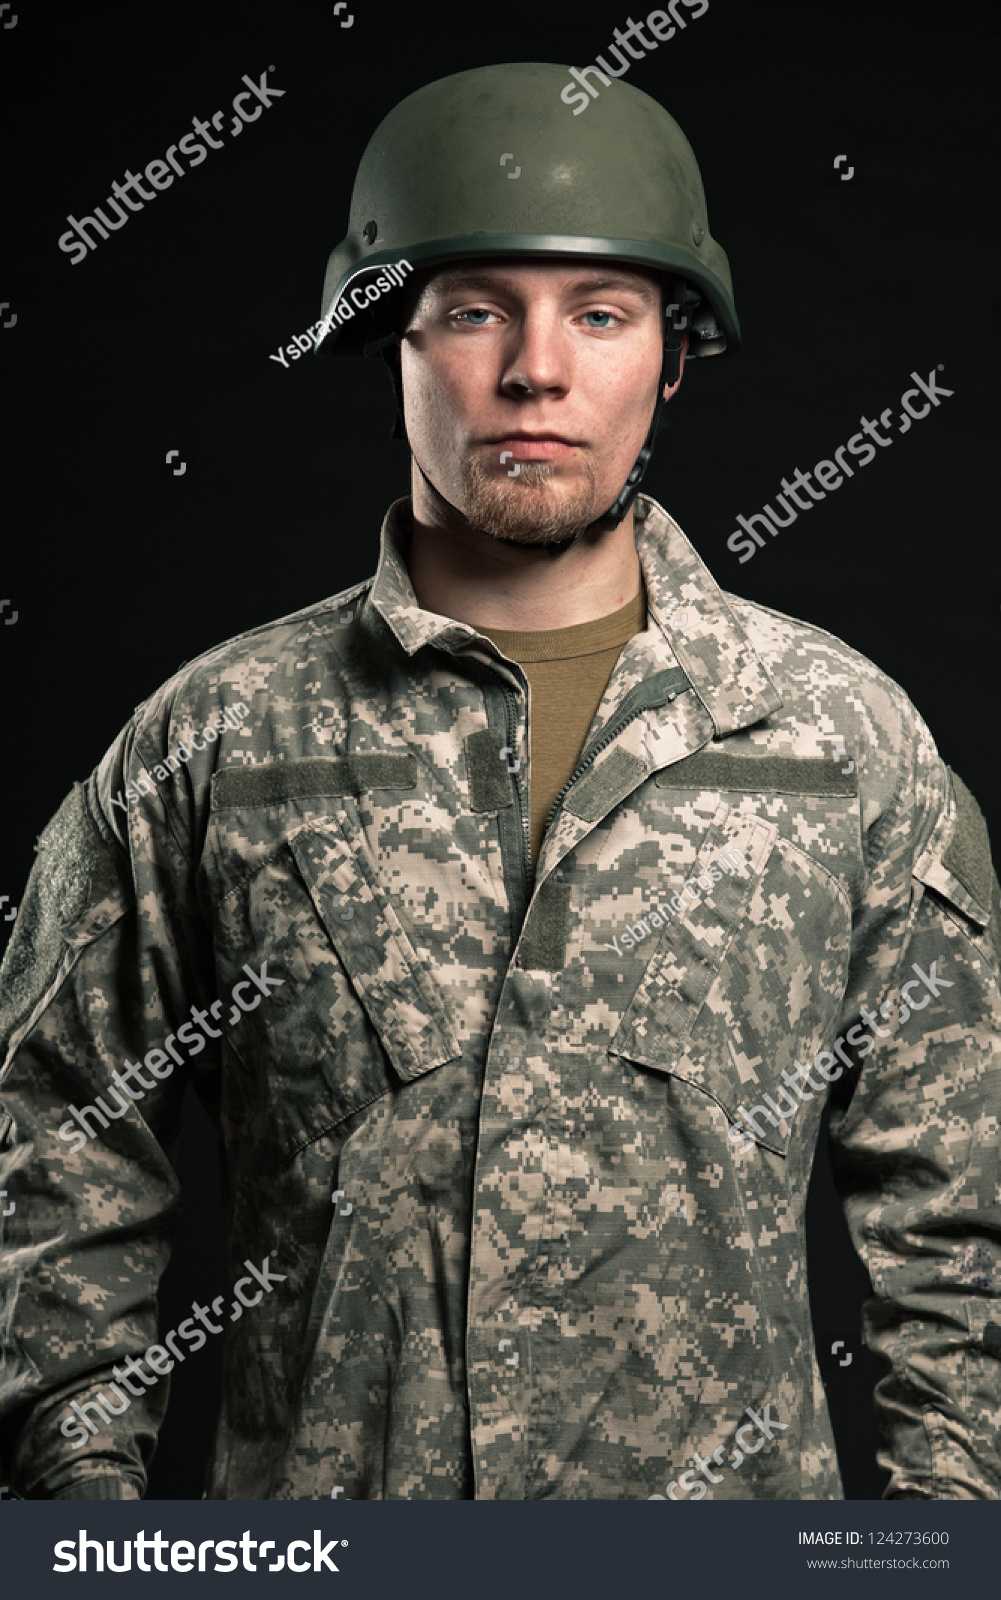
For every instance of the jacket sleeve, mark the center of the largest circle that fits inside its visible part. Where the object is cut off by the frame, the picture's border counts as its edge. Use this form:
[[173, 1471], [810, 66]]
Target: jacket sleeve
[[915, 1148], [106, 955]]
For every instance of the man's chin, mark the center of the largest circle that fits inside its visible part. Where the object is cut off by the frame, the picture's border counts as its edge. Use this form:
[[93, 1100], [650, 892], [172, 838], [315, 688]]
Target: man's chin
[[538, 507]]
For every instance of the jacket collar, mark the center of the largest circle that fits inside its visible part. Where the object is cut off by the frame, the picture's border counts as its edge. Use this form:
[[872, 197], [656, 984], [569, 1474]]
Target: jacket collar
[[710, 645]]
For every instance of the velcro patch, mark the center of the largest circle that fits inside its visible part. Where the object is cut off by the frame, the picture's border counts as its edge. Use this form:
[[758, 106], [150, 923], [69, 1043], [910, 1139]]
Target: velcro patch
[[716, 769], [994, 927], [311, 778], [543, 941], [605, 786], [968, 854], [490, 785], [75, 869]]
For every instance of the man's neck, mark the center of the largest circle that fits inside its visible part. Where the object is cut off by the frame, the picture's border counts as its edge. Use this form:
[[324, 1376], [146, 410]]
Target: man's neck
[[458, 572]]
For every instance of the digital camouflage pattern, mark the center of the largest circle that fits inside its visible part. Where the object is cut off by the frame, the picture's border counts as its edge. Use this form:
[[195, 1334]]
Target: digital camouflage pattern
[[554, 1269]]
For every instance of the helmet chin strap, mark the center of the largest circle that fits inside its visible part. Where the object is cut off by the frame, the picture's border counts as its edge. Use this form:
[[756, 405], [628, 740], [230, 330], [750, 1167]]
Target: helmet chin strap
[[669, 374]]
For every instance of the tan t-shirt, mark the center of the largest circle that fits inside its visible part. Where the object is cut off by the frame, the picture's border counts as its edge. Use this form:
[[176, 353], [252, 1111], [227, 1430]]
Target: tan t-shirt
[[568, 671]]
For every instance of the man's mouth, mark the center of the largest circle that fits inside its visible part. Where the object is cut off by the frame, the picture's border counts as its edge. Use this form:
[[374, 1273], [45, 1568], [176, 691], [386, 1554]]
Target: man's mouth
[[533, 447]]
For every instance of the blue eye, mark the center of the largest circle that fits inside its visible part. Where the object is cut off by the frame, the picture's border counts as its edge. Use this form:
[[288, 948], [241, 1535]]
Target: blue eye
[[478, 311], [598, 314]]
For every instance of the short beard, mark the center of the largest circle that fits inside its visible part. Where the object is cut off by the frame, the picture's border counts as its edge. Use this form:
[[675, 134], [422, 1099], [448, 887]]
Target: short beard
[[500, 507]]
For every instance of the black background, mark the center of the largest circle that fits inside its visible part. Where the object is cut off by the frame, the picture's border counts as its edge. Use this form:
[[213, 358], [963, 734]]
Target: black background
[[119, 570]]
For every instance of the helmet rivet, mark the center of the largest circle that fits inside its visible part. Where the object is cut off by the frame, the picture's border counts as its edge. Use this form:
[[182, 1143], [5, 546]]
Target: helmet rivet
[[370, 230], [698, 232]]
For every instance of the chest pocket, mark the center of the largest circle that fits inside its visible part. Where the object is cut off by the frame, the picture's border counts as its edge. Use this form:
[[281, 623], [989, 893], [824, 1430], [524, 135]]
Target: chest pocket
[[747, 979], [357, 1013]]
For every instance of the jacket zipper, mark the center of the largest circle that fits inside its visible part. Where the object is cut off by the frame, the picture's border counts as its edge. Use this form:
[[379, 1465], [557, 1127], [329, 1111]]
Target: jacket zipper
[[610, 733], [511, 705]]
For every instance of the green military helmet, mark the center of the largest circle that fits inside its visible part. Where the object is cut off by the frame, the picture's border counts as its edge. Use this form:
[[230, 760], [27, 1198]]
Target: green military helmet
[[495, 162]]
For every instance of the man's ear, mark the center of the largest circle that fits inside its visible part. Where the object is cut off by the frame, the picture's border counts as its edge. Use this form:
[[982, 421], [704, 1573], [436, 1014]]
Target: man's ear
[[672, 389]]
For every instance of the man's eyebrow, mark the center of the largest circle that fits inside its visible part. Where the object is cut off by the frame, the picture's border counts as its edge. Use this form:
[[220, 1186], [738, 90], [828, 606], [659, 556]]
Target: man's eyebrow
[[592, 283]]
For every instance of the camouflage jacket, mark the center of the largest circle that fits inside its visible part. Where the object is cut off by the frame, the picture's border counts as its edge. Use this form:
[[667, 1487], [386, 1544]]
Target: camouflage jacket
[[528, 1157]]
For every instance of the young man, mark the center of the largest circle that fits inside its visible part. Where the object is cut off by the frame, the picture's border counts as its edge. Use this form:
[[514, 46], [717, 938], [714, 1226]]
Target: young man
[[536, 893]]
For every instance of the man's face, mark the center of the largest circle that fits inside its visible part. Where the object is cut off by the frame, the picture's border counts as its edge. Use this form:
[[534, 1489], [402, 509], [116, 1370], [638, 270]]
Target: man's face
[[553, 366]]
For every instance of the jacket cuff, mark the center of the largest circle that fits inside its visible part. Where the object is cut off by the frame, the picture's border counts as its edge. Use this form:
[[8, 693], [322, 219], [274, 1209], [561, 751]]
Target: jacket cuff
[[103, 1488]]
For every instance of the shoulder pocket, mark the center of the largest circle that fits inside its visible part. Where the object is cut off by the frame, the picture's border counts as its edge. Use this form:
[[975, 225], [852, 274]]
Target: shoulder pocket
[[962, 872]]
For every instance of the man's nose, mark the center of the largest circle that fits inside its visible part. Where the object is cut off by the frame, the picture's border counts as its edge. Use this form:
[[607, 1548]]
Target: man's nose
[[537, 355]]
